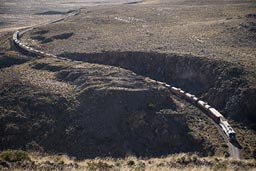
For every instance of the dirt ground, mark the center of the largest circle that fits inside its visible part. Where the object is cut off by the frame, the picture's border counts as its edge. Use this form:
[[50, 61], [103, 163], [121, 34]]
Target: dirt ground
[[17, 14], [221, 30]]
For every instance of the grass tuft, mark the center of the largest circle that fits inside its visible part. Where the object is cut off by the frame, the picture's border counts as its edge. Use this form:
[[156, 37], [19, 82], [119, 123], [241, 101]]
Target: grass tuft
[[14, 156], [98, 165]]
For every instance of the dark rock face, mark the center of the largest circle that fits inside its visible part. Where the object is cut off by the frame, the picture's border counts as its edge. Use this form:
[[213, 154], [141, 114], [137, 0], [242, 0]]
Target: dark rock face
[[248, 103], [124, 119], [125, 125]]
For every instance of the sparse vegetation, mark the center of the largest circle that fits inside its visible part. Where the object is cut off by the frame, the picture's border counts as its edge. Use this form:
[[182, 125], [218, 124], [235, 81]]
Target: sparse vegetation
[[130, 163], [151, 106], [99, 165], [226, 154], [181, 161], [44, 95], [90, 110], [208, 53], [14, 155]]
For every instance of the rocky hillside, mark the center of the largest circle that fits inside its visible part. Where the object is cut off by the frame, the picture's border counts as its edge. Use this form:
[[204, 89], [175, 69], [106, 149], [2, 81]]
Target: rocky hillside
[[89, 110]]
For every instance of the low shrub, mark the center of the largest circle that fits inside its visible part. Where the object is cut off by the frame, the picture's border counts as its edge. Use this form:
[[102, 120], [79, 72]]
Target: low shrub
[[130, 163], [226, 154], [151, 106], [98, 165], [14, 155]]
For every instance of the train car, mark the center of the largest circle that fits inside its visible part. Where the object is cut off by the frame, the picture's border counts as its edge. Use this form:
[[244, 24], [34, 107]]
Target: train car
[[215, 115], [201, 104], [206, 106], [178, 91], [161, 83], [195, 99], [212, 113], [175, 90], [167, 85], [227, 129], [189, 96], [15, 36], [182, 92]]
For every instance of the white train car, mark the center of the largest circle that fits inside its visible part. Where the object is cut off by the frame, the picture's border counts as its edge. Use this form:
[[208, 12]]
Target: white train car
[[215, 115]]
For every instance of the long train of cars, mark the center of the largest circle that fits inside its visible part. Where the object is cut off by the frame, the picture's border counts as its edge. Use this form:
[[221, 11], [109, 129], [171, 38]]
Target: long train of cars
[[211, 112]]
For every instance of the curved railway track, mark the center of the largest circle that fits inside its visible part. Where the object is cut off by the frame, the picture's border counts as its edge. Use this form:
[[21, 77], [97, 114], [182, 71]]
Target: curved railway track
[[207, 109]]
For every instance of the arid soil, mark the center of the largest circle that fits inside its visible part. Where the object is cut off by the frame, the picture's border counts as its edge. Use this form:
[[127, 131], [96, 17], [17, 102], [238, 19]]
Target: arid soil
[[109, 107], [48, 105], [224, 38], [203, 47], [215, 31], [17, 14]]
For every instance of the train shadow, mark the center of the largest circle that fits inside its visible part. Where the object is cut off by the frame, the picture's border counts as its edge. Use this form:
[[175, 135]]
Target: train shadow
[[236, 144]]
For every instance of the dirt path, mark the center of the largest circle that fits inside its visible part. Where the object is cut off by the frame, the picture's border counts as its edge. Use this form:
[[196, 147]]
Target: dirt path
[[234, 150]]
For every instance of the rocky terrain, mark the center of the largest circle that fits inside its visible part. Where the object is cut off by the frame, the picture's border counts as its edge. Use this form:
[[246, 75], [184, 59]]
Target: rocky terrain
[[107, 106], [225, 39], [208, 53], [48, 105]]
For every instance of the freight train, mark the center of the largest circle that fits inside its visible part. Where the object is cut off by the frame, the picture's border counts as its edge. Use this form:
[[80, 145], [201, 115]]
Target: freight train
[[210, 111]]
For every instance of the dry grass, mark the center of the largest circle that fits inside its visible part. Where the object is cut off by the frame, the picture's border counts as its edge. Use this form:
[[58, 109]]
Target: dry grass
[[177, 162], [45, 80]]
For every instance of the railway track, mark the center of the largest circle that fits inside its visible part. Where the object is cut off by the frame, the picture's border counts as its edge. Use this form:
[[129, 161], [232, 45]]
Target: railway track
[[207, 109]]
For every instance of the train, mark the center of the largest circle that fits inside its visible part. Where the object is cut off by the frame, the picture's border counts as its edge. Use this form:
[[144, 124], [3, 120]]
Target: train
[[210, 111]]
